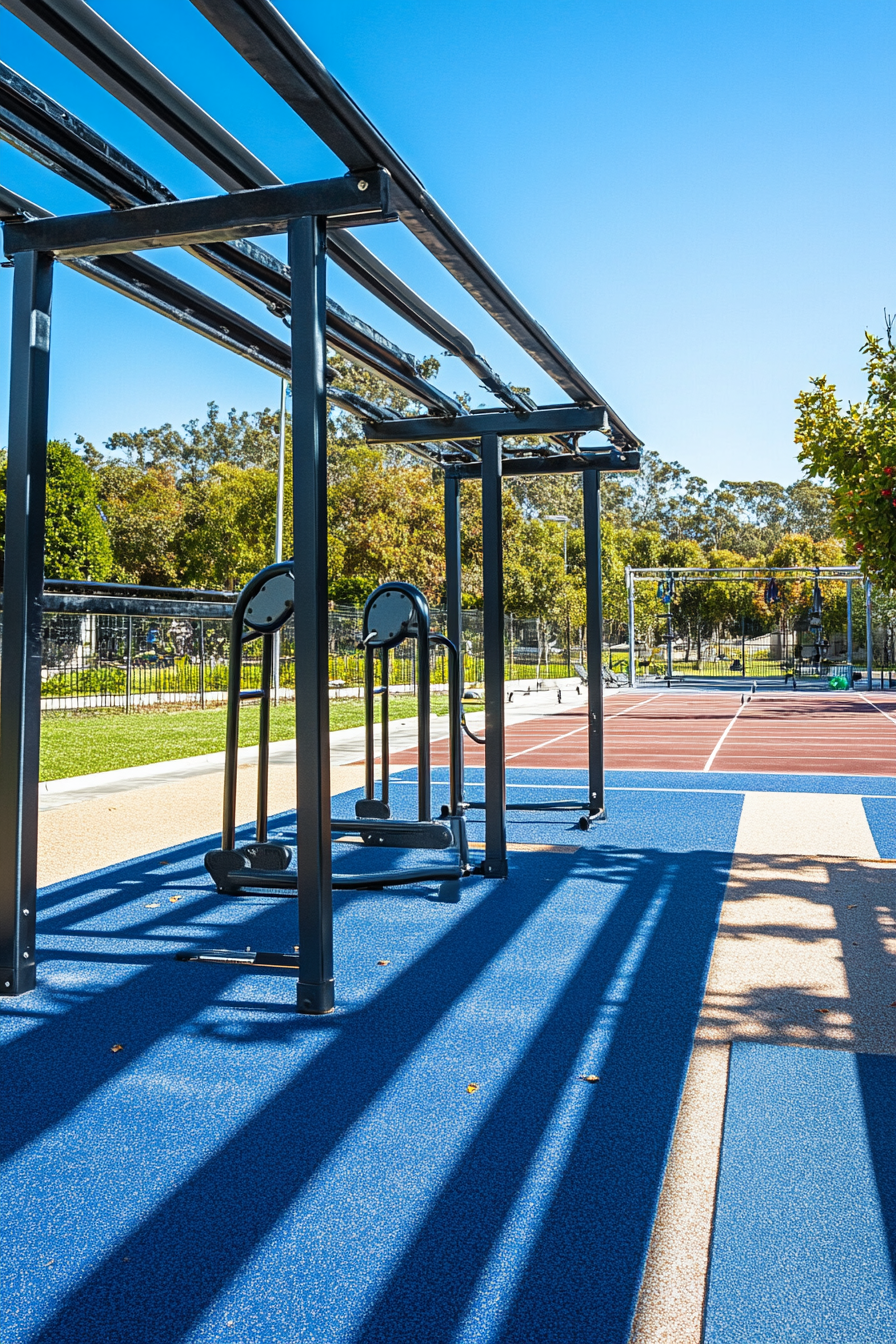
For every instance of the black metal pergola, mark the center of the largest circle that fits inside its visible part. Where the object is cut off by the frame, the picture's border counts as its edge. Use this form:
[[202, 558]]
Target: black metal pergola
[[141, 214]]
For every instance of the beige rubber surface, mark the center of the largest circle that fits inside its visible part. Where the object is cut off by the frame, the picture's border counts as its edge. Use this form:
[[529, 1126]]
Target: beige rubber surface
[[103, 831], [805, 956]]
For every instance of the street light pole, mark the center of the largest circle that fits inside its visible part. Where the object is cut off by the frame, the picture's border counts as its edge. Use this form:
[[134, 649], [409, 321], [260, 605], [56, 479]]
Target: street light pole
[[563, 518], [560, 518]]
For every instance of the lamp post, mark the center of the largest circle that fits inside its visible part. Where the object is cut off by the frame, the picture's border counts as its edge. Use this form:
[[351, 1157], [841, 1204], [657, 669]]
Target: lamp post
[[563, 518], [560, 518]]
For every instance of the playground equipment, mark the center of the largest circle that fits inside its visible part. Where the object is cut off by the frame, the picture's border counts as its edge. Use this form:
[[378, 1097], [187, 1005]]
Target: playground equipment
[[740, 658], [394, 612], [319, 219]]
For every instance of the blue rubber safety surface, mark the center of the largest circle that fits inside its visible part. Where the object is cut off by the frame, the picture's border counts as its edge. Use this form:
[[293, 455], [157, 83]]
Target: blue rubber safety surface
[[881, 814], [239, 1172], [805, 1229]]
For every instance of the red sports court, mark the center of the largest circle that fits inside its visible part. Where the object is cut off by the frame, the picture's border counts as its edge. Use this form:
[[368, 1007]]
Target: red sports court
[[780, 733]]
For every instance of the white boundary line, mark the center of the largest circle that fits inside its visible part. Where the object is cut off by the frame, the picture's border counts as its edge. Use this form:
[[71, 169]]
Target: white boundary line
[[877, 707], [715, 750], [666, 788], [583, 728]]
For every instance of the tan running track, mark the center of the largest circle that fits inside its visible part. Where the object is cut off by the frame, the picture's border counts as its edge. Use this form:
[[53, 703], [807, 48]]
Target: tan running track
[[853, 734]]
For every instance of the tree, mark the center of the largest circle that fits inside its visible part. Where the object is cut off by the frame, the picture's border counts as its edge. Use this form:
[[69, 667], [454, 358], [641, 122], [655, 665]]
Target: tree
[[144, 509], [854, 448], [77, 538], [226, 533]]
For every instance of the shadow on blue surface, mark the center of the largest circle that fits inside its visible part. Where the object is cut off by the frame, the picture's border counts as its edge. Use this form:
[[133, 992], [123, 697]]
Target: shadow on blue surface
[[332, 1178]]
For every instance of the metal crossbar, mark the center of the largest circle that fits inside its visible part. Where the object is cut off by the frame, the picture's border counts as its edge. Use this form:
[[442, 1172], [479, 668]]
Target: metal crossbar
[[379, 187]]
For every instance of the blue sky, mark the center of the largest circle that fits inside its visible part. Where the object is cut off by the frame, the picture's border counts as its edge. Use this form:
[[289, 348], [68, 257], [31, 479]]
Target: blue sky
[[696, 199]]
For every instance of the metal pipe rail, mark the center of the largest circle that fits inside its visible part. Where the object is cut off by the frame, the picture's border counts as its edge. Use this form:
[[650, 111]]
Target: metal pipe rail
[[266, 41], [746, 573], [39, 126], [93, 45]]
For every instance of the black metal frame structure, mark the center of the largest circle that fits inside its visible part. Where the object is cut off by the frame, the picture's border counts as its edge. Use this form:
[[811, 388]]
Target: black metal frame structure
[[316, 216]]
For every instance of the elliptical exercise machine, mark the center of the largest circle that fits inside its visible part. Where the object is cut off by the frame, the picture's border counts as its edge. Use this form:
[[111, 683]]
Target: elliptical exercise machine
[[394, 612]]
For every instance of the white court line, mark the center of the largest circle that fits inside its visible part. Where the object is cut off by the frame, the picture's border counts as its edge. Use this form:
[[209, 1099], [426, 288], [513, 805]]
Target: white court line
[[715, 750], [667, 788], [877, 707], [639, 705], [539, 746]]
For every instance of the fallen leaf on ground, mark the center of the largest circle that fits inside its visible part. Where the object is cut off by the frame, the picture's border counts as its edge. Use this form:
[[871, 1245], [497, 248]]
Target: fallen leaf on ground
[[175, 898], [153, 905], [164, 862], [822, 1010], [472, 1087], [116, 1048], [852, 907], [589, 1077], [382, 963]]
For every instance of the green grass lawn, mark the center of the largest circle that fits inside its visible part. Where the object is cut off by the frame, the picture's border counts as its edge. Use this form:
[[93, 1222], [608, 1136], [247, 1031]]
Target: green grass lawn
[[81, 744]]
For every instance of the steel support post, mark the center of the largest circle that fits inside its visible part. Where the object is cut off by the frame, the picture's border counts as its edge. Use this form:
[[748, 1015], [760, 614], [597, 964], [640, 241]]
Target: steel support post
[[23, 580], [495, 862], [278, 523], [849, 629], [594, 617], [307, 259], [453, 582], [869, 637], [630, 595]]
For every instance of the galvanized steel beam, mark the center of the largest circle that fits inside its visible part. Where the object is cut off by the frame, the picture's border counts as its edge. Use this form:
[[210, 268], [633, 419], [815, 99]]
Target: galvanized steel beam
[[204, 219]]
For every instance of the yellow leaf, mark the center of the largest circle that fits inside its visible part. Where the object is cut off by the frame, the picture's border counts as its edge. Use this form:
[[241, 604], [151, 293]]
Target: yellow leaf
[[472, 1087], [116, 1048], [382, 963], [589, 1077], [175, 898], [153, 905], [852, 907]]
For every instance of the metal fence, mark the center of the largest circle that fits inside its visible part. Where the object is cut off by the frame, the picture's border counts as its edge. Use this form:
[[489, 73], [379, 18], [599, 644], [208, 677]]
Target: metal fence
[[781, 653], [93, 660]]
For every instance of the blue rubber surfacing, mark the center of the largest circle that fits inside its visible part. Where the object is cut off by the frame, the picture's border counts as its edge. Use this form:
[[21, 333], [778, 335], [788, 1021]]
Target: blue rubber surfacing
[[332, 1179], [804, 1242]]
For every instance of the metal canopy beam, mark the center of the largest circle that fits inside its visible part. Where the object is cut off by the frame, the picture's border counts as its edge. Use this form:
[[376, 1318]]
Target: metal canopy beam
[[42, 128], [79, 33], [266, 41], [612, 459], [542, 420], [205, 219]]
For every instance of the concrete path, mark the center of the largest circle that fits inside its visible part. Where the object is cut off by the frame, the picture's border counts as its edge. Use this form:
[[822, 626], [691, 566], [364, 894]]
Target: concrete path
[[346, 748]]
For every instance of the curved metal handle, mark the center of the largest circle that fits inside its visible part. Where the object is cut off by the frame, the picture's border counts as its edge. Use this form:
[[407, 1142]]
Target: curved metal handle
[[469, 731]]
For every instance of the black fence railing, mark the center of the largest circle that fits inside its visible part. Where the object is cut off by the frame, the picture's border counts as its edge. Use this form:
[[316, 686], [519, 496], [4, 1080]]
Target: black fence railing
[[119, 648]]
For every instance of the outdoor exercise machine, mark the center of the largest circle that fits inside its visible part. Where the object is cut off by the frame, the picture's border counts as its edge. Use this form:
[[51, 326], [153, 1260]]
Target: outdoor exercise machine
[[766, 575], [393, 613], [317, 219]]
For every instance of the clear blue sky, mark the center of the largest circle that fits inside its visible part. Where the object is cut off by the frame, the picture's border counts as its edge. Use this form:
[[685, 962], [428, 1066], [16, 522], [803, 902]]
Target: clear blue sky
[[696, 199]]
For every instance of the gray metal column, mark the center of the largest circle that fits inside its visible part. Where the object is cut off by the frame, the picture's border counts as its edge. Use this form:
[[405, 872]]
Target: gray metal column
[[849, 629], [869, 637], [630, 599], [594, 619], [307, 259], [453, 580], [495, 862], [23, 579]]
